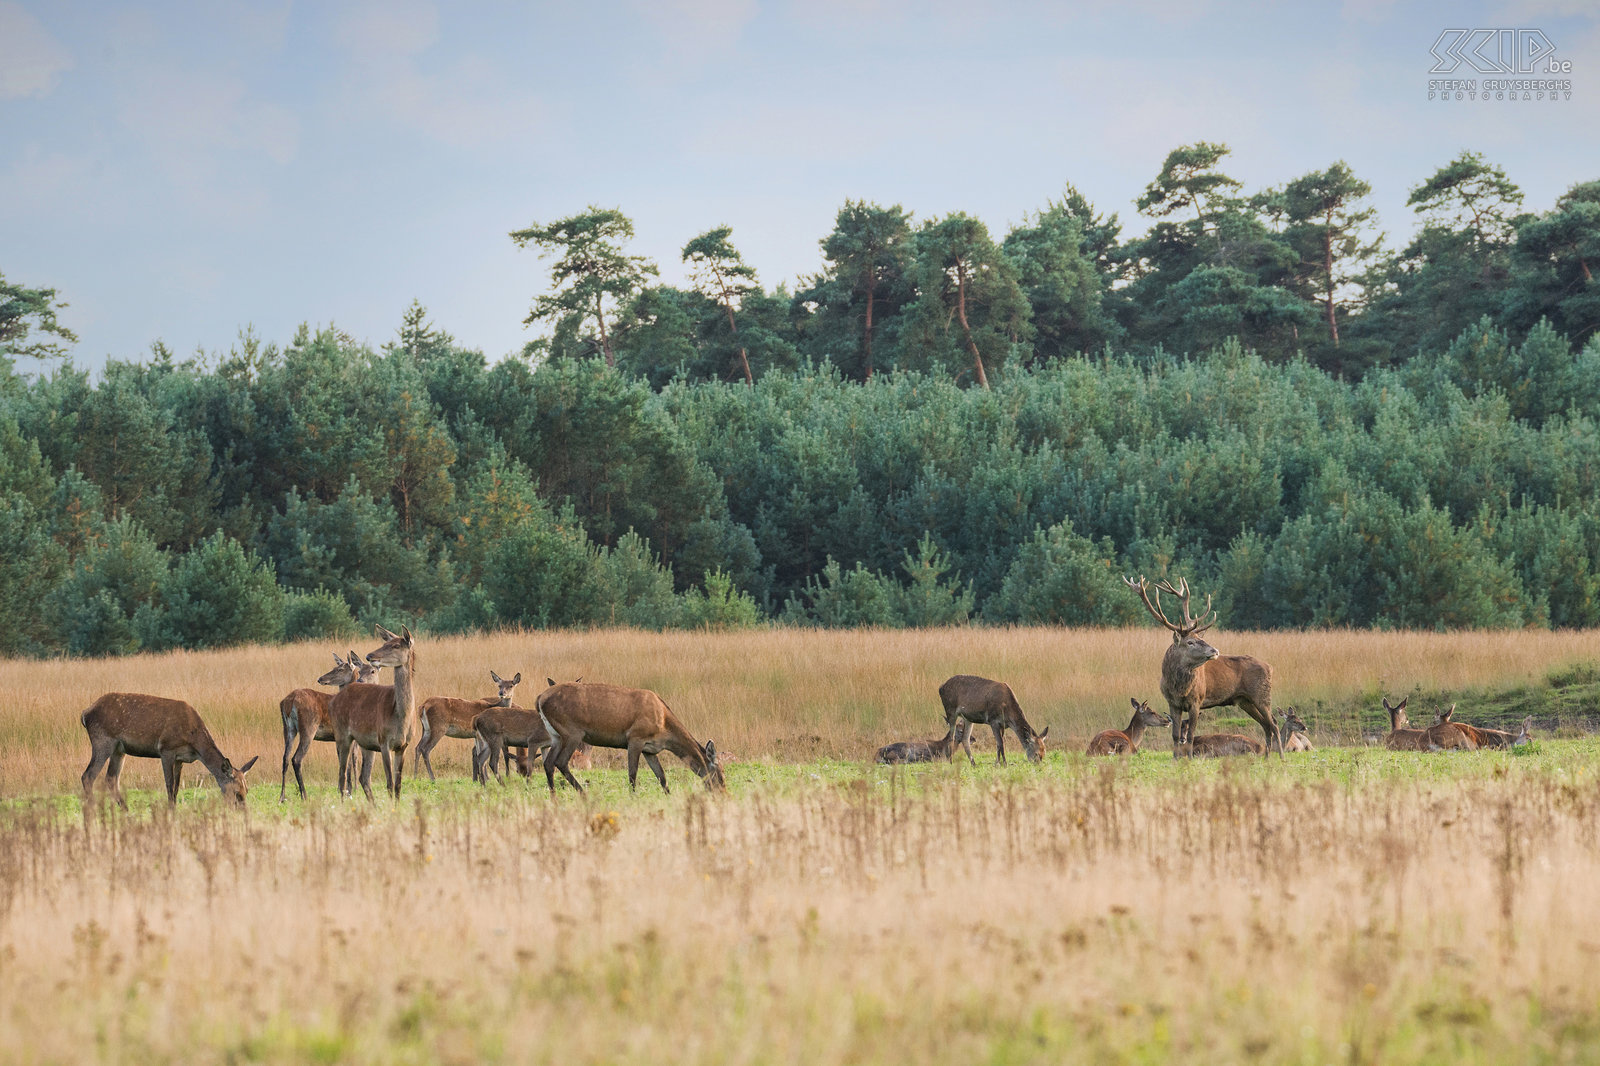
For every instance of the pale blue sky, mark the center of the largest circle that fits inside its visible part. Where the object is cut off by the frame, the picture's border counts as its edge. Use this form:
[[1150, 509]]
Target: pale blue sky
[[181, 170]]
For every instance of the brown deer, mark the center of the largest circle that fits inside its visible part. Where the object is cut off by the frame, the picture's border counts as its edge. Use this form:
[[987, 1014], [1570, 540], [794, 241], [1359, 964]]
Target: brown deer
[[379, 718], [1293, 731], [1401, 737], [448, 716], [125, 723], [610, 716], [1126, 742], [1445, 735], [1186, 745], [909, 751], [1499, 738], [991, 703], [305, 715], [500, 729], [1195, 676]]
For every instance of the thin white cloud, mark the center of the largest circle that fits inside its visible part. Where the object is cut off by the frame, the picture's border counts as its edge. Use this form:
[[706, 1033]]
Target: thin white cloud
[[31, 61]]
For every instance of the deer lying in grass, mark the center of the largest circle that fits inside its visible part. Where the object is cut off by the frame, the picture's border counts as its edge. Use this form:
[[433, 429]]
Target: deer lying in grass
[[150, 727], [610, 716], [1195, 676], [1483, 736], [1126, 742], [379, 718], [499, 729], [1401, 737], [1186, 745], [448, 716], [909, 751], [1445, 735], [1293, 732], [991, 703], [305, 715]]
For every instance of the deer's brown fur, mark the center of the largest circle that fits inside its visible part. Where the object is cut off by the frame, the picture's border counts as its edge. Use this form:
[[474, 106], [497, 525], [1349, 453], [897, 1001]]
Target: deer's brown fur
[[450, 716], [1126, 742], [1446, 735], [611, 716], [992, 703], [379, 718], [1401, 737], [120, 724], [909, 751], [1293, 731]]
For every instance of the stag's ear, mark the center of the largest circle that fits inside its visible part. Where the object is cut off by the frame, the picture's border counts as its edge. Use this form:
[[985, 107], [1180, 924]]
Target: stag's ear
[[246, 767]]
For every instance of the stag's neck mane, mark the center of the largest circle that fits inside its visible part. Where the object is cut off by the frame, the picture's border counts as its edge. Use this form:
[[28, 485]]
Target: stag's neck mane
[[1175, 675]]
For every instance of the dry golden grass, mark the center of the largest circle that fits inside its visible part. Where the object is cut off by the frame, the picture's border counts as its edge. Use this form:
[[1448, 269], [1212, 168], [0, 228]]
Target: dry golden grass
[[1144, 912], [773, 693]]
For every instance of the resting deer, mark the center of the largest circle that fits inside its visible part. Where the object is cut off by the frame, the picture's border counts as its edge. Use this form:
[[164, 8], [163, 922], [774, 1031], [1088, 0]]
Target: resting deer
[[1211, 745], [1195, 676], [150, 727], [448, 716], [909, 751], [1401, 736], [610, 716], [1126, 742], [305, 715], [991, 703], [1446, 735], [499, 729], [379, 718], [1293, 732], [1499, 738]]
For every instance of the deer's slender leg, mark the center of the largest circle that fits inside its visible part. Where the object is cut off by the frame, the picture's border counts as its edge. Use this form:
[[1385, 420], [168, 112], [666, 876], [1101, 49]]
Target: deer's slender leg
[[399, 768], [966, 740], [114, 775], [633, 766], [299, 758], [425, 750], [567, 748], [98, 754], [289, 730], [169, 764], [366, 774], [999, 742], [661, 775]]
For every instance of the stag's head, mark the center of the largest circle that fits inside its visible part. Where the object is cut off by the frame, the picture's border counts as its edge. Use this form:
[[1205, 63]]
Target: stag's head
[[1148, 716], [395, 650], [1397, 714], [342, 674], [232, 779], [712, 775], [1186, 631], [506, 687]]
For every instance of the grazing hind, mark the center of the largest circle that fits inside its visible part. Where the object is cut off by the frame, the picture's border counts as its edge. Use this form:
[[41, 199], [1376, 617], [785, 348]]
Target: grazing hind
[[991, 703], [1126, 742], [151, 727]]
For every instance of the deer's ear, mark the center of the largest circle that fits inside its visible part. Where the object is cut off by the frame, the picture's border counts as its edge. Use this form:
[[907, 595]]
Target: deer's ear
[[1045, 733], [382, 632], [494, 677], [336, 660], [552, 682], [711, 751], [406, 632], [518, 679], [1134, 702], [246, 767]]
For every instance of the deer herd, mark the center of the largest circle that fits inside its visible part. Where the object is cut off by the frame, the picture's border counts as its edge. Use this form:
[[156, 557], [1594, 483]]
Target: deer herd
[[568, 719]]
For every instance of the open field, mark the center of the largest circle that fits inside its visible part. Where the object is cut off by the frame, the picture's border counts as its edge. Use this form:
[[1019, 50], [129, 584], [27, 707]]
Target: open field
[[1350, 906], [775, 695]]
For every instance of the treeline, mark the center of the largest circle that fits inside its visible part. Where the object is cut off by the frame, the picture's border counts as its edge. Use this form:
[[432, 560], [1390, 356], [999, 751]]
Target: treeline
[[733, 456]]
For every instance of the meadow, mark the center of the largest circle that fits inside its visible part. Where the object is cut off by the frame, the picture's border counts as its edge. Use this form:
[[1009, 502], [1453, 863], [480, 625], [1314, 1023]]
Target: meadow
[[1348, 904]]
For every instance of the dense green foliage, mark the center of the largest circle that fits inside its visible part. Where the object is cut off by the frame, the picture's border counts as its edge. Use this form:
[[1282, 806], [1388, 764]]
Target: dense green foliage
[[939, 427]]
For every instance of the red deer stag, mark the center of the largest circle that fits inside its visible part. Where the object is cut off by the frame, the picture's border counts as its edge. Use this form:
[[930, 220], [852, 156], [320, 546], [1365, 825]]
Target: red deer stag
[[448, 716], [610, 716], [1401, 737], [1195, 676], [1293, 731], [1126, 742], [379, 718], [991, 703], [125, 723], [909, 751], [305, 715], [499, 729], [1445, 735]]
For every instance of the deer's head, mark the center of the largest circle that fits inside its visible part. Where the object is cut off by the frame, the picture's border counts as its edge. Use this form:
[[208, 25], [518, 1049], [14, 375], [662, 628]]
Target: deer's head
[[342, 674], [232, 778], [713, 771], [1397, 714], [1292, 723], [395, 650], [1189, 626], [1034, 745], [506, 687], [1147, 716], [365, 671], [1444, 716]]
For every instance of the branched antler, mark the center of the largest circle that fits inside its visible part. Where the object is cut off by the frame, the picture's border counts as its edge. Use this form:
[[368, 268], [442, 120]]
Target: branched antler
[[1190, 625]]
